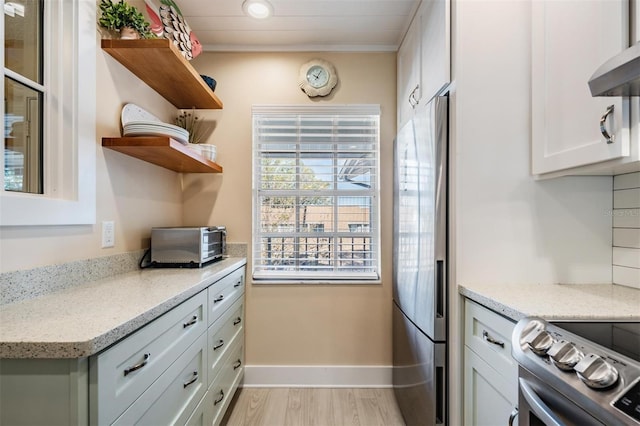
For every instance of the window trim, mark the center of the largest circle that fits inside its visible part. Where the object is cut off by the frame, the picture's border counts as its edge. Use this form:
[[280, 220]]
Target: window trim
[[299, 277], [69, 123]]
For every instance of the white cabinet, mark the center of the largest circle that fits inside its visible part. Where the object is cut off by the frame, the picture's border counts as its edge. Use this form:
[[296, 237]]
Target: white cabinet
[[490, 373], [570, 40], [408, 63], [181, 368], [120, 374], [485, 401], [423, 62]]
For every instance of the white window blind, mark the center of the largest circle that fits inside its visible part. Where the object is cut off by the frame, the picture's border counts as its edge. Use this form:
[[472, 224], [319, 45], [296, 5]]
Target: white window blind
[[316, 192]]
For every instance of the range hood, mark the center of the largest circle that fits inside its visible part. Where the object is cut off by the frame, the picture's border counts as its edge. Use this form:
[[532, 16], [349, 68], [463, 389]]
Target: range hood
[[619, 76]]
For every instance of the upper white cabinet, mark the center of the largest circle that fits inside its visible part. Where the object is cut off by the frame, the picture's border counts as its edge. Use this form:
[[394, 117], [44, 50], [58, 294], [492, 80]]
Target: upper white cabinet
[[424, 64], [408, 64], [570, 40]]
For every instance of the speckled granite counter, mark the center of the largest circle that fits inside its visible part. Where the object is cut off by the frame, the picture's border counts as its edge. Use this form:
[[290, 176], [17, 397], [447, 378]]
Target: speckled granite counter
[[558, 301], [82, 320]]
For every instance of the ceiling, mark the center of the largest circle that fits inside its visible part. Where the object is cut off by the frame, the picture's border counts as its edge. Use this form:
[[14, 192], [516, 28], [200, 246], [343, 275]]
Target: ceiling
[[301, 25]]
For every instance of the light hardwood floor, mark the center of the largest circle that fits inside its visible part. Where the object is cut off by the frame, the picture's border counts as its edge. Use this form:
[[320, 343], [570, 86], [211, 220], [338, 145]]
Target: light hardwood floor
[[313, 407]]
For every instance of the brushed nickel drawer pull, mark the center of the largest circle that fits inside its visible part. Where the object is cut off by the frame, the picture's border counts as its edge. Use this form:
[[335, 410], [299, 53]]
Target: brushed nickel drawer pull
[[137, 366], [486, 337], [192, 381], [194, 320], [218, 299], [219, 345], [219, 400], [237, 364], [237, 321]]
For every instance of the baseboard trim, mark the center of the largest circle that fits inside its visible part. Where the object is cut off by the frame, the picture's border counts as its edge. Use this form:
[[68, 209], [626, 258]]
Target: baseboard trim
[[318, 376]]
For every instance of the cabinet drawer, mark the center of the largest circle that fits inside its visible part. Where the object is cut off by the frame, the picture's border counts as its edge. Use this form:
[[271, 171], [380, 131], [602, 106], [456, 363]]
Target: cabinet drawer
[[223, 334], [124, 371], [198, 417], [224, 292], [489, 335], [174, 396], [226, 382]]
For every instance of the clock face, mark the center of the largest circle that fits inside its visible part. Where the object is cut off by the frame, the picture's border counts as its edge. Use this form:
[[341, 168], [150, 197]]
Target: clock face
[[317, 76]]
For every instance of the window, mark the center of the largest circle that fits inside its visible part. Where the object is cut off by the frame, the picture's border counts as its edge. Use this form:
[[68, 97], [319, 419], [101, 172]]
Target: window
[[316, 193], [48, 155]]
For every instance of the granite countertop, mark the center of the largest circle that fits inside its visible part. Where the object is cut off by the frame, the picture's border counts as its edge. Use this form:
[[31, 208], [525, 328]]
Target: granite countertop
[[84, 319], [588, 302]]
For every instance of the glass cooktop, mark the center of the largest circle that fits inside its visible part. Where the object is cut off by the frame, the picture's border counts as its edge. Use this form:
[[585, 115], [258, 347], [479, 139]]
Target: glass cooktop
[[622, 337]]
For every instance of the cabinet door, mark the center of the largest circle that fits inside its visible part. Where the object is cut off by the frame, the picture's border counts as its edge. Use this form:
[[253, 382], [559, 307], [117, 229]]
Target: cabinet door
[[488, 397], [408, 73], [435, 51], [570, 40]]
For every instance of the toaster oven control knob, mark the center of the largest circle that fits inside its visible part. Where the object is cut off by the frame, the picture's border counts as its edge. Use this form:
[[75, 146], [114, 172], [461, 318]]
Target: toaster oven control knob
[[595, 372], [564, 355], [539, 340]]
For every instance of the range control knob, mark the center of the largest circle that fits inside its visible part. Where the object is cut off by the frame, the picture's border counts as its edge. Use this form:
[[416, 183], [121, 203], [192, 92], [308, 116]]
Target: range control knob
[[565, 355], [539, 340], [595, 372]]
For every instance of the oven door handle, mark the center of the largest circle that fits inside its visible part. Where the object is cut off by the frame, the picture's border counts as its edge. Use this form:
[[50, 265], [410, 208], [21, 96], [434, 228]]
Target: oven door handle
[[538, 406]]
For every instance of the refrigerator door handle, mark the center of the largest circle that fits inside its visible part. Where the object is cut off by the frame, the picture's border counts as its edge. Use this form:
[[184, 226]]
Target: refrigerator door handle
[[440, 291], [440, 395]]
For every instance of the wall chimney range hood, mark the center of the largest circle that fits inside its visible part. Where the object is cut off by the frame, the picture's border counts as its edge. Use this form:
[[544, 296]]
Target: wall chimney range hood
[[619, 76]]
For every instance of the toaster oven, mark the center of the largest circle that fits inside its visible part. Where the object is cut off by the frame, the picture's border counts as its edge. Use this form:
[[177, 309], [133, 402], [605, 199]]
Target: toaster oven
[[187, 247]]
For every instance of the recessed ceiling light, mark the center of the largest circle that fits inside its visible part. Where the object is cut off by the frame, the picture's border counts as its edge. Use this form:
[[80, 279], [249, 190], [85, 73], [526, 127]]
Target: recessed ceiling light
[[259, 9]]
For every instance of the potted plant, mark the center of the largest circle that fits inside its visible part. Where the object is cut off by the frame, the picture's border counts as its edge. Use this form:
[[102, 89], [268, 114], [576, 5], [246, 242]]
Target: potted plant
[[121, 16]]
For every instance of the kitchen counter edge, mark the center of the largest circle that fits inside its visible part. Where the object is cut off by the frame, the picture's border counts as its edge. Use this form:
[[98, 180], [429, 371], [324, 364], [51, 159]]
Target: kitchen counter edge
[[570, 302], [83, 320]]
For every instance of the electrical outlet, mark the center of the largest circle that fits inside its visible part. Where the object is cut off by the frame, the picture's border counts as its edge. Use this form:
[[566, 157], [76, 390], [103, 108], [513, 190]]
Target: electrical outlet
[[108, 234]]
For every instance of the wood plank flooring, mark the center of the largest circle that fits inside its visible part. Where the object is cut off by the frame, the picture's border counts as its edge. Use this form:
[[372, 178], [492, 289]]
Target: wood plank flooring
[[313, 407]]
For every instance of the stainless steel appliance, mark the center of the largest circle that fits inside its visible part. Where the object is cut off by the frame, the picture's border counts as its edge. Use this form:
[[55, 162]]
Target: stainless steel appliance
[[576, 373], [420, 265], [190, 247], [619, 76]]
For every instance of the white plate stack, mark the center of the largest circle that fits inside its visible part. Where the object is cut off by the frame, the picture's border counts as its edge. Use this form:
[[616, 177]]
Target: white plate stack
[[138, 122]]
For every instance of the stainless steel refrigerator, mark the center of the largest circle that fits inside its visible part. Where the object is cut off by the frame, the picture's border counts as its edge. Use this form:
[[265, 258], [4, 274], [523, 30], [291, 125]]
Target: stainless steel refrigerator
[[420, 265]]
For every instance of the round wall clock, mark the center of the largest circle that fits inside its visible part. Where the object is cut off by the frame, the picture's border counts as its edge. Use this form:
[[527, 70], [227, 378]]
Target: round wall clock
[[317, 77]]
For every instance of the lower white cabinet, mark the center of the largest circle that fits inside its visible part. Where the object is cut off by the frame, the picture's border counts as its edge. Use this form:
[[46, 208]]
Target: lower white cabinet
[[180, 369], [490, 373], [487, 401]]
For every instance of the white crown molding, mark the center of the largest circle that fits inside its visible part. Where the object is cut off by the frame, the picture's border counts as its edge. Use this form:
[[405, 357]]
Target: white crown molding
[[318, 376], [355, 48]]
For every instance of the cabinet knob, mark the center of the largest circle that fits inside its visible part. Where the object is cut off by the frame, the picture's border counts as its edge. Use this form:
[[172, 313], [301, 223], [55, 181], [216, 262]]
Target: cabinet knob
[[603, 121]]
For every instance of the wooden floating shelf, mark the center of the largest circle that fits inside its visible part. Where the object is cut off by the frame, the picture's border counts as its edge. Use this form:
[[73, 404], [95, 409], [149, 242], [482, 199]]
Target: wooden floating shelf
[[159, 63], [163, 151]]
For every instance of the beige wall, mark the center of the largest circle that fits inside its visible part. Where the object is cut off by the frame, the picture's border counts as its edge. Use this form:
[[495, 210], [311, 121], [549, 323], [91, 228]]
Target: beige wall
[[293, 324], [134, 194]]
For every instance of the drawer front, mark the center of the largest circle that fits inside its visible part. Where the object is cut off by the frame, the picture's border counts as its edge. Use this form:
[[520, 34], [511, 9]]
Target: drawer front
[[223, 388], [198, 417], [224, 292], [223, 334], [127, 369], [489, 335], [230, 377], [174, 396]]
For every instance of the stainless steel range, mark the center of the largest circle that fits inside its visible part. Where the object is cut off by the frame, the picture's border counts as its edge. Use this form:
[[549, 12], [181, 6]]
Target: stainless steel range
[[576, 373]]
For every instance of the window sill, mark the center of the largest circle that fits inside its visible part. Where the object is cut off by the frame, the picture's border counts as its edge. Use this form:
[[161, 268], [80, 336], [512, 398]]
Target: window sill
[[276, 282]]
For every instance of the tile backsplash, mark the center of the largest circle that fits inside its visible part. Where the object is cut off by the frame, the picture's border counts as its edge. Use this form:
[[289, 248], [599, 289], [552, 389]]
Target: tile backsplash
[[626, 229]]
